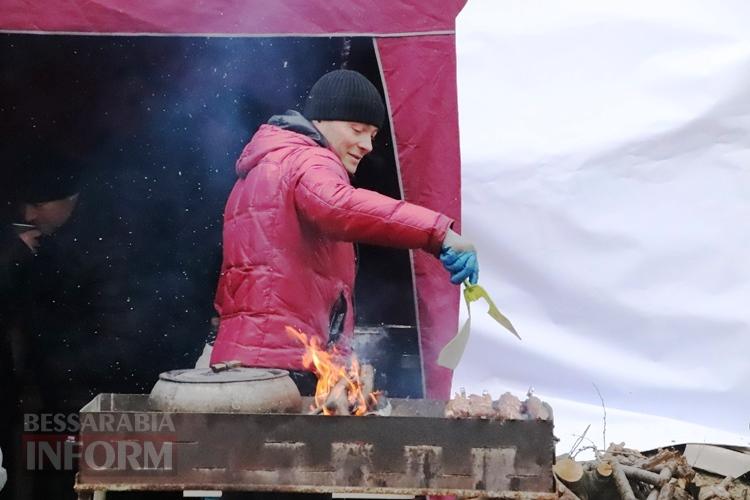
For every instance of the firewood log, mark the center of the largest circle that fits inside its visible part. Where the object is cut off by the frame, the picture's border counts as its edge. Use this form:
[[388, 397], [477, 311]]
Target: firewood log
[[622, 483], [563, 492], [367, 380], [671, 491], [662, 458], [626, 456], [716, 491], [586, 484], [674, 461], [568, 470], [604, 469], [570, 473], [337, 400], [644, 475]]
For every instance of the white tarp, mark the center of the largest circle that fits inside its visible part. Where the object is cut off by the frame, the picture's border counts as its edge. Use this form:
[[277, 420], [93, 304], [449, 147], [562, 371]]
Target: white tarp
[[606, 183]]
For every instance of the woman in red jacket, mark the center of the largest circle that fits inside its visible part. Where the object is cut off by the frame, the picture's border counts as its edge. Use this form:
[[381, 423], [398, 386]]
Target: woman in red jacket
[[291, 218]]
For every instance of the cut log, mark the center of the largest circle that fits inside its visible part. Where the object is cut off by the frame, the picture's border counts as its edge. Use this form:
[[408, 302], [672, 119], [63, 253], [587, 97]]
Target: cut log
[[643, 475], [337, 401], [674, 461], [671, 491], [601, 487], [563, 492], [604, 469], [568, 470], [570, 474], [367, 379], [626, 456], [586, 484], [622, 473], [621, 481], [716, 491], [661, 459]]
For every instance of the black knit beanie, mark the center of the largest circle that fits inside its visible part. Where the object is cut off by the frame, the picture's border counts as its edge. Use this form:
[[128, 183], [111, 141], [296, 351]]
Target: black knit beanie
[[345, 95], [48, 176]]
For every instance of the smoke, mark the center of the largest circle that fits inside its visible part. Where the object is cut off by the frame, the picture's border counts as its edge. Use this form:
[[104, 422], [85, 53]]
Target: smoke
[[158, 123]]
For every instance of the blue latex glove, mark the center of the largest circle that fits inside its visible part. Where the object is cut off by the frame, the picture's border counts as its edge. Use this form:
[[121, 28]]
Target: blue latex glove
[[461, 265]]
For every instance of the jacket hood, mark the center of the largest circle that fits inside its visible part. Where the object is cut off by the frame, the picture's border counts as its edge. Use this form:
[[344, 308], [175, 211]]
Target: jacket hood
[[290, 130]]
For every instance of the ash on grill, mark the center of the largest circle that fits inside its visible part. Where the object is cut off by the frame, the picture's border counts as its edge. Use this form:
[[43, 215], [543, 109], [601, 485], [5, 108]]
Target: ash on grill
[[506, 407]]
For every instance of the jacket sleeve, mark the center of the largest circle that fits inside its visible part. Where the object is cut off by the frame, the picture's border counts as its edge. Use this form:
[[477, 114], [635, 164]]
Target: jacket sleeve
[[325, 198], [14, 258]]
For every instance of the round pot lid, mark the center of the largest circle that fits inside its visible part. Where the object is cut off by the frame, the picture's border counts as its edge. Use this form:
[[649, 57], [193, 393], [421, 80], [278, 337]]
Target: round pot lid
[[208, 376]]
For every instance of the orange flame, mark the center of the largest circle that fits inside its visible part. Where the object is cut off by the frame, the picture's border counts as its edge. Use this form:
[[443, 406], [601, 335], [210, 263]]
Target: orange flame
[[333, 375]]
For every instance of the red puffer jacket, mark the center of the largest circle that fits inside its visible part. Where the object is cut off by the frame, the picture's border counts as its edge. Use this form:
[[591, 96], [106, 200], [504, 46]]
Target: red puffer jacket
[[287, 255]]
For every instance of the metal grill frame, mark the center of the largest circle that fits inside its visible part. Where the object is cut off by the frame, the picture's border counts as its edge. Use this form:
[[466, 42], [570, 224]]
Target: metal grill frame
[[415, 451]]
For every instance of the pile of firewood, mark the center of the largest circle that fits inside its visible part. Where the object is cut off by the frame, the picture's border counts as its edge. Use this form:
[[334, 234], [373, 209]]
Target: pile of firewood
[[507, 407], [622, 473]]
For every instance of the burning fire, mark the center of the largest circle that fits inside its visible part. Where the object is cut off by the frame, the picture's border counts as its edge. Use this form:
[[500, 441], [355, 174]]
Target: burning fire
[[341, 387]]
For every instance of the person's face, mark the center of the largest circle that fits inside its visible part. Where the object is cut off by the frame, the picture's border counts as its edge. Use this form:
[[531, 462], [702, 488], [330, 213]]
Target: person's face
[[48, 216], [351, 141]]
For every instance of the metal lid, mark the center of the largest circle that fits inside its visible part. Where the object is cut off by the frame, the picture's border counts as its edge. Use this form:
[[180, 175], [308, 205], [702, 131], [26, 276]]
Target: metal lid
[[208, 376]]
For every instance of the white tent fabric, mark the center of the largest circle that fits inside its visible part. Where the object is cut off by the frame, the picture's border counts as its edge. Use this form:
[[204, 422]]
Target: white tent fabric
[[606, 183]]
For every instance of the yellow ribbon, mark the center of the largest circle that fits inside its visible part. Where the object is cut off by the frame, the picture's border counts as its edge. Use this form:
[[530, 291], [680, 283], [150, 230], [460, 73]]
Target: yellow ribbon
[[454, 350]]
